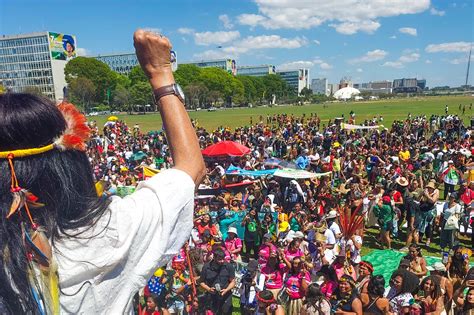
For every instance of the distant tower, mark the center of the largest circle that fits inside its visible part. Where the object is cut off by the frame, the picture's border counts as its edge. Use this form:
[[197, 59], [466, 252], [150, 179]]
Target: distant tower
[[468, 65]]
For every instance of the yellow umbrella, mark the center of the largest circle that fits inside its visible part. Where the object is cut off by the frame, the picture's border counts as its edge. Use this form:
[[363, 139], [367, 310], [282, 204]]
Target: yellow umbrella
[[112, 118]]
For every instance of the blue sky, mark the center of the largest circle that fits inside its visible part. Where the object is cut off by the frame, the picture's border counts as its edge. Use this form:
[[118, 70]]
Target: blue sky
[[364, 40]]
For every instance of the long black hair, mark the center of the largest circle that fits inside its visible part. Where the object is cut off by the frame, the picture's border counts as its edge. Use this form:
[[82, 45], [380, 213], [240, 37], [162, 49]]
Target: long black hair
[[63, 181], [314, 297], [376, 286]]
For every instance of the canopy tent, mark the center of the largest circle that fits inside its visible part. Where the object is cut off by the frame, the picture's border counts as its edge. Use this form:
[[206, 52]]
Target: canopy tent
[[346, 93], [225, 149]]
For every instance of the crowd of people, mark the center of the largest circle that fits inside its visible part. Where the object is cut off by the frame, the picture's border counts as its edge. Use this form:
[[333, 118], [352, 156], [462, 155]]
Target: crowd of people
[[293, 245]]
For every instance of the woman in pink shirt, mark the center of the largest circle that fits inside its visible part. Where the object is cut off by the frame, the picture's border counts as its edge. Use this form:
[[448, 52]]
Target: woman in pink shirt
[[233, 244], [265, 249], [293, 250], [274, 272], [296, 283]]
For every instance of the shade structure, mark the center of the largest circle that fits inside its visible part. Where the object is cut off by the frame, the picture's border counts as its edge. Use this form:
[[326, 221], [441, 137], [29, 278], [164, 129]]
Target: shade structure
[[225, 149]]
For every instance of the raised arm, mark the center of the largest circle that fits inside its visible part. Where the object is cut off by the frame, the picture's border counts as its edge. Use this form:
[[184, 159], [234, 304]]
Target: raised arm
[[153, 53]]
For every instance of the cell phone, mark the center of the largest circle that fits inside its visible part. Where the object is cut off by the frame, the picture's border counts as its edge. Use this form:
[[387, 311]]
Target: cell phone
[[174, 60]]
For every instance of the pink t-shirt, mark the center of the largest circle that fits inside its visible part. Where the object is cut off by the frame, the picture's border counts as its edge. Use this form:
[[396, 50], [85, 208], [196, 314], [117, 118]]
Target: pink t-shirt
[[290, 255], [294, 285], [328, 288], [264, 253], [274, 277], [232, 245]]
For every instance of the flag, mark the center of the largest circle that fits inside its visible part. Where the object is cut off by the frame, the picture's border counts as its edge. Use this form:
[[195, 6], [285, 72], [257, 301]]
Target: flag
[[149, 172], [99, 187]]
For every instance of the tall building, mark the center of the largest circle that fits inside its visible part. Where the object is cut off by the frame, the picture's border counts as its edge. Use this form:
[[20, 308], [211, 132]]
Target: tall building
[[408, 85], [320, 86], [256, 71], [296, 79], [333, 87], [228, 65], [121, 63], [36, 60]]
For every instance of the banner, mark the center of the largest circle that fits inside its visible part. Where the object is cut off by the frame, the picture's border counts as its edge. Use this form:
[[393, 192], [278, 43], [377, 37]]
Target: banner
[[62, 47], [298, 174], [149, 172], [232, 170], [354, 127]]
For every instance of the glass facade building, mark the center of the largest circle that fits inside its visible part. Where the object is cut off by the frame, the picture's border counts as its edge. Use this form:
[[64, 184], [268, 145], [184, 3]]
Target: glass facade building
[[121, 63], [296, 79], [25, 62], [256, 71]]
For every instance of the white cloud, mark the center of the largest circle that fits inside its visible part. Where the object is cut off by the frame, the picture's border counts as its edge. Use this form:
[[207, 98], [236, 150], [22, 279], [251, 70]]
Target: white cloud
[[226, 21], [317, 42], [215, 38], [393, 37], [82, 51], [359, 70], [427, 61], [449, 47], [251, 43], [408, 56], [412, 57], [460, 60], [349, 28], [393, 64], [433, 11], [346, 16], [408, 30], [325, 66], [370, 56], [185, 30], [305, 64]]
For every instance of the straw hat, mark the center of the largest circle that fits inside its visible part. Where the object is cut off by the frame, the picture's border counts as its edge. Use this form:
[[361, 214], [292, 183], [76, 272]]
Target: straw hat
[[402, 181], [332, 214], [319, 237], [430, 185]]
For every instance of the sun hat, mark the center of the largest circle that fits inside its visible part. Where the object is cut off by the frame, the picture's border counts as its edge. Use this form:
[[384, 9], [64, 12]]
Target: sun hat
[[402, 181], [332, 214], [430, 185], [232, 230]]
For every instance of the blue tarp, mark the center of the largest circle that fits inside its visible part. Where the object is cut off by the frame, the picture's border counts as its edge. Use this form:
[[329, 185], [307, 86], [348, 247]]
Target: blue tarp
[[233, 170]]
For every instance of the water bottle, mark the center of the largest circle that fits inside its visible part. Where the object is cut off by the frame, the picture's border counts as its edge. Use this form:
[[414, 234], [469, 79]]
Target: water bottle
[[445, 257]]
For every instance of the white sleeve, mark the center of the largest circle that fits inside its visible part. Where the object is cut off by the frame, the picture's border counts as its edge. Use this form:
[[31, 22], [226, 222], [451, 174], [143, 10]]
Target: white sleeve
[[155, 221]]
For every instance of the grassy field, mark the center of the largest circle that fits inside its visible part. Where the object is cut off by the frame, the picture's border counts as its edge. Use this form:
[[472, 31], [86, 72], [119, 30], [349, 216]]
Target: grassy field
[[390, 110]]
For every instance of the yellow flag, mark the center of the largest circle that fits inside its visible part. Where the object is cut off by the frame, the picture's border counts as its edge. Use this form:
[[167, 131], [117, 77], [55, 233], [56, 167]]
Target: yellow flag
[[99, 187], [149, 172]]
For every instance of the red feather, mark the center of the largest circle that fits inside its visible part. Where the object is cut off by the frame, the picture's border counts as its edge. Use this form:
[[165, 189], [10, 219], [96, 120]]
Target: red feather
[[77, 132]]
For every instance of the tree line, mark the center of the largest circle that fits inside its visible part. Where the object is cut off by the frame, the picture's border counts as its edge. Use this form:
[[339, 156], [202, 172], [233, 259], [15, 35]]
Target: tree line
[[94, 86]]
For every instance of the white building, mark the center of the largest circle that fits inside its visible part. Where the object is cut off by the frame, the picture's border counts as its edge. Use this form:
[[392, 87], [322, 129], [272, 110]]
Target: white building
[[297, 79], [346, 93], [36, 60]]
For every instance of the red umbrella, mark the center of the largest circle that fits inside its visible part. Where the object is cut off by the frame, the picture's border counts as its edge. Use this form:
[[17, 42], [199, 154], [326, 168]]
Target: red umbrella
[[225, 149]]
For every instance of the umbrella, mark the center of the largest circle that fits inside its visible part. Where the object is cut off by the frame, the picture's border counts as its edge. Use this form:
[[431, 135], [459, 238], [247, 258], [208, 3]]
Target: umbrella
[[140, 155], [225, 149], [112, 118]]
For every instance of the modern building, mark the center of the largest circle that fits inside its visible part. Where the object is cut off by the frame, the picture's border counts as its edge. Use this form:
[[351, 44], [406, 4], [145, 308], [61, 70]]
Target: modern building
[[36, 60], [121, 63], [320, 86], [333, 87], [345, 82], [408, 85], [375, 87], [256, 71], [421, 84], [296, 79], [227, 64]]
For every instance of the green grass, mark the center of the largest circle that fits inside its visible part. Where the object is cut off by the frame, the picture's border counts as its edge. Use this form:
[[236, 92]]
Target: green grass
[[391, 110]]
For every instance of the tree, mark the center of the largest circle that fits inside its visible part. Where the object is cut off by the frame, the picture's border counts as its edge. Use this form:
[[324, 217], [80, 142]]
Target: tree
[[122, 97], [141, 93], [82, 91], [187, 74], [103, 78], [306, 93], [137, 75], [195, 94]]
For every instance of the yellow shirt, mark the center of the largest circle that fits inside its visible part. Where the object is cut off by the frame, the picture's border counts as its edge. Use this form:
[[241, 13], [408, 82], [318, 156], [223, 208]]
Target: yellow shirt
[[404, 155]]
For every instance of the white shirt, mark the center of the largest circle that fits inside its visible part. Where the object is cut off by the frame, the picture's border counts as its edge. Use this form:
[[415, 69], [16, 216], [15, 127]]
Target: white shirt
[[335, 228], [330, 238], [138, 234]]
